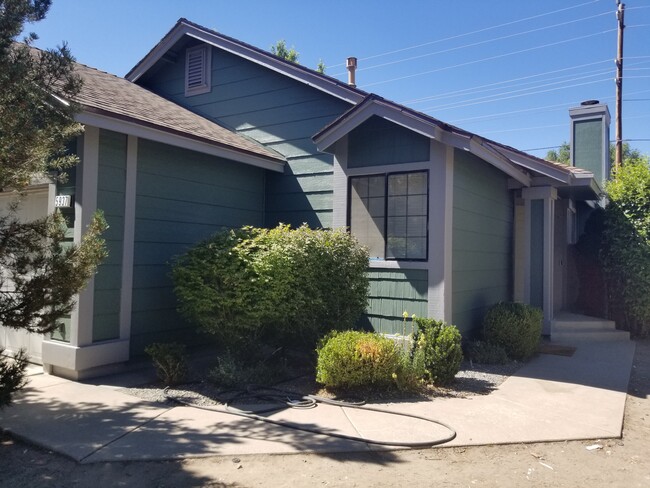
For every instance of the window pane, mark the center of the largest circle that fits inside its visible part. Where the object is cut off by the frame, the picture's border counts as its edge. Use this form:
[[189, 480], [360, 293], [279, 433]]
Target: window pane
[[396, 227], [397, 184], [416, 248], [397, 205], [417, 227], [417, 205], [396, 247], [367, 213], [417, 183], [376, 186], [376, 206], [360, 186]]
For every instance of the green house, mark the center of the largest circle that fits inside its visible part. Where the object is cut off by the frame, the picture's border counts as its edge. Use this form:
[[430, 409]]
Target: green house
[[207, 132]]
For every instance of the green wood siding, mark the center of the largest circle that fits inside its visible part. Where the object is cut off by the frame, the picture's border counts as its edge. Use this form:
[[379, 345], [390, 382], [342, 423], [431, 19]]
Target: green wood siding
[[588, 147], [181, 198], [110, 199], [378, 141], [483, 216], [280, 113], [392, 292]]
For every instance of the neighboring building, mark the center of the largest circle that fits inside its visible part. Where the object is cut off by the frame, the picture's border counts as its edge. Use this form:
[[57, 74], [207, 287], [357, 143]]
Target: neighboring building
[[207, 132]]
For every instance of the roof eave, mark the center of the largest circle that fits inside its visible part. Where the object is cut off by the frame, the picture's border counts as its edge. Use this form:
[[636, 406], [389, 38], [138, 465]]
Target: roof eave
[[127, 125], [183, 27]]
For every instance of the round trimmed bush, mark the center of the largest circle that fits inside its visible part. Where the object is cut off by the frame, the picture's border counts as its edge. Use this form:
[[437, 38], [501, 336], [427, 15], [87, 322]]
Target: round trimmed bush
[[441, 345], [354, 359], [516, 327]]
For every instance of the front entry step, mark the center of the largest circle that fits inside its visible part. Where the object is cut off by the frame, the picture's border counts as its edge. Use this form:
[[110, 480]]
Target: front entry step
[[580, 328]]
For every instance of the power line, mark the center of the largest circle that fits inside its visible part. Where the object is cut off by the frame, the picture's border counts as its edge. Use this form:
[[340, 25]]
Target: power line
[[449, 107], [564, 79], [548, 126], [485, 29], [490, 58], [478, 43]]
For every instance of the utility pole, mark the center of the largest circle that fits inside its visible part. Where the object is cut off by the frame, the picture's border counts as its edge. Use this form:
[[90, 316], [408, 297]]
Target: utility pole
[[620, 16]]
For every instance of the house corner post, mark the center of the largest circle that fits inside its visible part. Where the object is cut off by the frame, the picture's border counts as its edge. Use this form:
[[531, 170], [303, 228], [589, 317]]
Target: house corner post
[[441, 200], [540, 237]]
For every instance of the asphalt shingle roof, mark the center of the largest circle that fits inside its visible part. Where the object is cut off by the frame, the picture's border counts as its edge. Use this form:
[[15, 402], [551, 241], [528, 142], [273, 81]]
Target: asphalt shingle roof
[[107, 94]]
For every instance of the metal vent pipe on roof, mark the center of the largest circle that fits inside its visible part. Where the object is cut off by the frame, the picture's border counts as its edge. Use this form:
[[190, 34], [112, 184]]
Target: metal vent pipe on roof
[[351, 64]]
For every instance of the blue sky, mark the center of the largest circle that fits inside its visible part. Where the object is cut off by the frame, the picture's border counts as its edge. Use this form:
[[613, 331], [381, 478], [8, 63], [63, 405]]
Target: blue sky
[[505, 69]]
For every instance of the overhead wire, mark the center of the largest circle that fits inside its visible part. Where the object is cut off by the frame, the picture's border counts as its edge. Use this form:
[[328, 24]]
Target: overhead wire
[[490, 58], [478, 31], [478, 43]]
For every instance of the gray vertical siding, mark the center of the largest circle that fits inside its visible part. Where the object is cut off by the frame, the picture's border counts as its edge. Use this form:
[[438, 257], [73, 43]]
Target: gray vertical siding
[[110, 199], [280, 113], [181, 198], [393, 292], [482, 240]]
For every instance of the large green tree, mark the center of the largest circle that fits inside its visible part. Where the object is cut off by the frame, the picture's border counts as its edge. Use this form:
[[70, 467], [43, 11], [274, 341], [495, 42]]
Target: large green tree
[[40, 273]]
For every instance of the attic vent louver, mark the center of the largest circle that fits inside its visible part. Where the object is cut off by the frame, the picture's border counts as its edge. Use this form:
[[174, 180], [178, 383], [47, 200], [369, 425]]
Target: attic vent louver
[[197, 70]]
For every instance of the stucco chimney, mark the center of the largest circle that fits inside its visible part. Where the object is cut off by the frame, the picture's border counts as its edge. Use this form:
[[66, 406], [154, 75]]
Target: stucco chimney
[[351, 64], [590, 138]]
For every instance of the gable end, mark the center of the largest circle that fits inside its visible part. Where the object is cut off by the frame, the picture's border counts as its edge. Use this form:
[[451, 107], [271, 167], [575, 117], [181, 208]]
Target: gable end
[[198, 70]]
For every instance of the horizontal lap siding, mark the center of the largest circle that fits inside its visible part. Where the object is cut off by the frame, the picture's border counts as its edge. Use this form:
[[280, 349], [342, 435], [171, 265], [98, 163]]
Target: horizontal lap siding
[[182, 197], [393, 292], [482, 240], [278, 112], [110, 199]]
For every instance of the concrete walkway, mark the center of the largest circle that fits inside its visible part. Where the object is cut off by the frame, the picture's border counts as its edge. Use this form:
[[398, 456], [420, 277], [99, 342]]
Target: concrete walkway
[[549, 399]]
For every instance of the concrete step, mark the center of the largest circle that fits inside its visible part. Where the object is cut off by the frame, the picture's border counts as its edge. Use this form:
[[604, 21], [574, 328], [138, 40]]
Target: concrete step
[[589, 334], [579, 328]]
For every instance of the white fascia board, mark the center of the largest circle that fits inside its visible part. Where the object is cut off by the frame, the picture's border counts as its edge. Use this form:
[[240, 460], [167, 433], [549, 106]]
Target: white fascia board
[[131, 128], [391, 114], [298, 74], [498, 160], [531, 164]]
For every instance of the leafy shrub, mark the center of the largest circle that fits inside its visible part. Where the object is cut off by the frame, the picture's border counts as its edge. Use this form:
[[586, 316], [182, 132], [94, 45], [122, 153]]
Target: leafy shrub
[[516, 327], [440, 346], [281, 285], [12, 375], [235, 371], [169, 360], [355, 359], [482, 352], [625, 248]]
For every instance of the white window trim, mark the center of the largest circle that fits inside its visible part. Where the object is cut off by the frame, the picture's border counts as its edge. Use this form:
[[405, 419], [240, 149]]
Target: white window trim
[[206, 75]]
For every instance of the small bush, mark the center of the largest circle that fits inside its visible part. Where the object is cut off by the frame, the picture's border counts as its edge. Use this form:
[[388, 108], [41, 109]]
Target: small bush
[[169, 360], [482, 352], [355, 359], [514, 326], [440, 345], [12, 375]]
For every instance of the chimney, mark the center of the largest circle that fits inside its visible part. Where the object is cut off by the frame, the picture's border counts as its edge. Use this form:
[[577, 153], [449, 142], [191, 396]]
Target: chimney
[[351, 64], [590, 138]]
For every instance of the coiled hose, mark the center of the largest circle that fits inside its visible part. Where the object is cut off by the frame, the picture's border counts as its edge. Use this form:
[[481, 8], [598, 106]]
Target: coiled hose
[[284, 399]]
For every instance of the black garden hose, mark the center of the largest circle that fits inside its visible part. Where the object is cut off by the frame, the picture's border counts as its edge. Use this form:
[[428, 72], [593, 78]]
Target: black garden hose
[[284, 398]]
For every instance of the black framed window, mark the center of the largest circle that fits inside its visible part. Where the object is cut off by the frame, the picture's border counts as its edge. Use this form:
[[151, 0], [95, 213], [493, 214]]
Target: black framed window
[[389, 213]]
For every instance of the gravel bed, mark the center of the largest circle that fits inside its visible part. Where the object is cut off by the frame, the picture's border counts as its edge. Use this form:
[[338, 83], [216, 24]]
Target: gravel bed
[[472, 379]]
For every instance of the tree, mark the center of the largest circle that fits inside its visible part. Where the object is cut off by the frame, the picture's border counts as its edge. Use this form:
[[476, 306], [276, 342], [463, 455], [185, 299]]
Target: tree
[[40, 274], [563, 153], [321, 67], [281, 50]]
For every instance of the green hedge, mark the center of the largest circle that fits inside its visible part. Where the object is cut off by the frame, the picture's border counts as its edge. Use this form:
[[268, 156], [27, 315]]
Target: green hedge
[[281, 285], [625, 247], [516, 327]]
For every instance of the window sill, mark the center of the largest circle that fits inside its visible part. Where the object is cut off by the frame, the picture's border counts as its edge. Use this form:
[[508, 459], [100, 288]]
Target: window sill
[[383, 264]]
